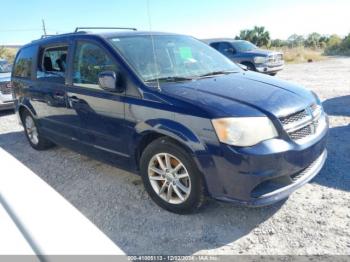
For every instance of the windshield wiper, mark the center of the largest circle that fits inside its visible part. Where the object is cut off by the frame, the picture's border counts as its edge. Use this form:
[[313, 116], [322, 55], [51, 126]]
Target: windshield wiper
[[218, 73], [170, 79]]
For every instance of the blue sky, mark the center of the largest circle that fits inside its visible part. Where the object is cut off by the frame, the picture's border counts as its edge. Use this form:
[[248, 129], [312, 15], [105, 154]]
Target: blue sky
[[200, 18]]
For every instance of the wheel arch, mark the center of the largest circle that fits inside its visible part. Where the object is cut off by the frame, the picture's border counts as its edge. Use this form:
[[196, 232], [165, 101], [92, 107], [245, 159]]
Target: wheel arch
[[248, 64], [21, 108], [151, 136]]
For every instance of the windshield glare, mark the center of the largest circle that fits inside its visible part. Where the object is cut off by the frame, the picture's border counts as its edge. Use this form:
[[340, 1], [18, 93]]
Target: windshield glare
[[244, 46], [171, 56], [5, 67]]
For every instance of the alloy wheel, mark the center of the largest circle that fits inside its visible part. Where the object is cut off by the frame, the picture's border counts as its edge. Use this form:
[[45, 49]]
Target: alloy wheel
[[169, 178], [31, 130]]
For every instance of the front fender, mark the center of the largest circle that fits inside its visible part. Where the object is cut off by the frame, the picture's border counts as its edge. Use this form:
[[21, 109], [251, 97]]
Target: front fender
[[172, 129], [190, 139]]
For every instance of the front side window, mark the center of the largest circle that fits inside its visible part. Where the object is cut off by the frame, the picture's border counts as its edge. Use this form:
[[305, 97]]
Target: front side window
[[52, 64], [89, 61], [244, 46], [23, 63], [170, 56], [225, 48]]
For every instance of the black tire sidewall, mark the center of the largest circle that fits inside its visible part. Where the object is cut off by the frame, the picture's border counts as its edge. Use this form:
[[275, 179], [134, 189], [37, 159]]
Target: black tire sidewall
[[195, 199]]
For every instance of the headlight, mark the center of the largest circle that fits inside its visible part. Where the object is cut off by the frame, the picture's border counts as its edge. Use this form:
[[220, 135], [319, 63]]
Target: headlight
[[244, 131], [259, 60]]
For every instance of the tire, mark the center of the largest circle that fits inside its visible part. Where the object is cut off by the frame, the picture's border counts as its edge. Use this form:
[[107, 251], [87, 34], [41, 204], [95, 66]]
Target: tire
[[186, 181], [273, 74], [32, 132]]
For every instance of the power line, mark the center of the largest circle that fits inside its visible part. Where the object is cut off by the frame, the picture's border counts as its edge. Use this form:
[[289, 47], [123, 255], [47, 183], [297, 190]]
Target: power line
[[20, 30]]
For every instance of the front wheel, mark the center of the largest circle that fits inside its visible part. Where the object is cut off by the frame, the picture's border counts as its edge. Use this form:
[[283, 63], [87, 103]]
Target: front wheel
[[171, 177]]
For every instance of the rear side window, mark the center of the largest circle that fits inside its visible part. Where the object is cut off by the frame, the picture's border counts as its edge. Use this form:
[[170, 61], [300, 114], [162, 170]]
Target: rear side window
[[24, 62], [52, 64], [89, 61]]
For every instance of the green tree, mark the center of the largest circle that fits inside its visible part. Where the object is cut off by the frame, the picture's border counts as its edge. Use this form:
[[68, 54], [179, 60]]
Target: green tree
[[295, 40], [334, 40], [338, 46], [258, 36], [313, 40], [278, 43]]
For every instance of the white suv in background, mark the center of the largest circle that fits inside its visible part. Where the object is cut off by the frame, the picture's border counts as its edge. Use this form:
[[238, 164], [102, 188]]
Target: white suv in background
[[6, 98]]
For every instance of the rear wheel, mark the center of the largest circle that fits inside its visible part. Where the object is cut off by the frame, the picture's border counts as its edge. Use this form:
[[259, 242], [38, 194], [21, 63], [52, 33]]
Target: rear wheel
[[171, 177], [35, 139]]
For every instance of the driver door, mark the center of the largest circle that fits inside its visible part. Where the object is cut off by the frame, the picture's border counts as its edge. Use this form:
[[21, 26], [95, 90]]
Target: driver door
[[99, 114]]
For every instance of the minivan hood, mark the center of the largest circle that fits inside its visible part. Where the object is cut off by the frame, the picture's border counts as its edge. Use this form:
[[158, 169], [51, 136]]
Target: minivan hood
[[221, 94]]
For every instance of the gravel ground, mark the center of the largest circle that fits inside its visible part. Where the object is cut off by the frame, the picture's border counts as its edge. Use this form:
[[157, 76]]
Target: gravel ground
[[314, 220]]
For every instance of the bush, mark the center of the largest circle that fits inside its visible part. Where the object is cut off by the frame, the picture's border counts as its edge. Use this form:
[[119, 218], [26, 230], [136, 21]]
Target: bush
[[339, 47], [8, 53], [300, 54]]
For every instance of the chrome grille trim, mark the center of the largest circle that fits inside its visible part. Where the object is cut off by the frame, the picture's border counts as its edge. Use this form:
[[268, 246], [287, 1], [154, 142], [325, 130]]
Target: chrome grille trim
[[302, 124]]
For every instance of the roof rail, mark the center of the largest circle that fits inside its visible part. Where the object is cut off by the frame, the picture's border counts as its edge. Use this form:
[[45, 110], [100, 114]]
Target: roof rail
[[119, 28], [44, 36]]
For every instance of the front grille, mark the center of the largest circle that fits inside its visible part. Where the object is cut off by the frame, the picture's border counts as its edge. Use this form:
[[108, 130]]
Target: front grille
[[5, 88], [294, 117], [276, 184], [301, 133], [299, 175], [302, 124], [275, 59]]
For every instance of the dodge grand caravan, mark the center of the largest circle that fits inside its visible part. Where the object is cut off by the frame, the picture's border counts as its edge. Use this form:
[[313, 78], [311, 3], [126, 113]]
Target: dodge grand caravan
[[174, 110]]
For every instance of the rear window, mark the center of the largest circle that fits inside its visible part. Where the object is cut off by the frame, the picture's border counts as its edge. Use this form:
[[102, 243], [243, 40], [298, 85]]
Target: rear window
[[24, 62], [52, 64]]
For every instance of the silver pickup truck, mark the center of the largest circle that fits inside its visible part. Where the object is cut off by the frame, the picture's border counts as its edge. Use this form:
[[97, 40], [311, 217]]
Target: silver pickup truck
[[246, 53], [6, 98]]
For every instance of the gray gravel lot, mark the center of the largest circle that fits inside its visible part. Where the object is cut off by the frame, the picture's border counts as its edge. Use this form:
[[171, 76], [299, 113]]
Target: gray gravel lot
[[314, 220]]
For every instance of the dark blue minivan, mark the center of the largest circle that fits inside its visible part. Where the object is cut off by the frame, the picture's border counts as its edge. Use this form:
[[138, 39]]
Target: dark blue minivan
[[174, 110]]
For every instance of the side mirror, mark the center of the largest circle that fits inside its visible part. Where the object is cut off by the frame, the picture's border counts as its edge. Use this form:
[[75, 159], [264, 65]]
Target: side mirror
[[109, 81]]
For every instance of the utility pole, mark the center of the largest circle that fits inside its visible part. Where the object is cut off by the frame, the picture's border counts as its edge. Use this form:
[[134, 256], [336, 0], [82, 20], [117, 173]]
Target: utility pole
[[44, 27]]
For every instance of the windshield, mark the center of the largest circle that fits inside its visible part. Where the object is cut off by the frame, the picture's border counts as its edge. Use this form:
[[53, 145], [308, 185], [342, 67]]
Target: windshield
[[5, 67], [244, 46], [171, 57]]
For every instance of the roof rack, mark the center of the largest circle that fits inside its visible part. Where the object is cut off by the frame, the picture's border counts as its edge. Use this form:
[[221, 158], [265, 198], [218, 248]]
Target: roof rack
[[118, 28]]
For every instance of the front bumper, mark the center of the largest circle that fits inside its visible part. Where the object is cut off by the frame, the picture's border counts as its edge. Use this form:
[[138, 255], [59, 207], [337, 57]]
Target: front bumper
[[268, 69], [281, 192], [263, 174]]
